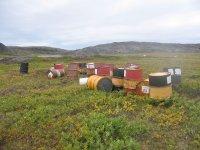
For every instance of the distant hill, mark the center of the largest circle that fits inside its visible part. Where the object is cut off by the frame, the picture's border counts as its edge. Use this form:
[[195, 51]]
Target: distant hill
[[3, 49], [31, 50], [36, 50], [103, 49], [136, 47]]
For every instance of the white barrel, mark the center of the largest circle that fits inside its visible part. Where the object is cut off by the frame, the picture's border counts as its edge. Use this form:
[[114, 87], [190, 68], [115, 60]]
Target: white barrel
[[83, 81]]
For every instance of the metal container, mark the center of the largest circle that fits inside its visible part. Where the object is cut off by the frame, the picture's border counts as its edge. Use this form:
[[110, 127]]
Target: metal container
[[24, 67], [118, 82], [133, 74], [160, 93], [104, 71], [100, 83]]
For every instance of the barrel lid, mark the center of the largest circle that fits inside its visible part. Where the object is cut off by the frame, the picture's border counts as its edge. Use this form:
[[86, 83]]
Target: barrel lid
[[159, 74]]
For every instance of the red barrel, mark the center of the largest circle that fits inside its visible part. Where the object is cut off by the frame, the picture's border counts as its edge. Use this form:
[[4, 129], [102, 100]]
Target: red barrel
[[104, 71], [133, 74], [59, 66]]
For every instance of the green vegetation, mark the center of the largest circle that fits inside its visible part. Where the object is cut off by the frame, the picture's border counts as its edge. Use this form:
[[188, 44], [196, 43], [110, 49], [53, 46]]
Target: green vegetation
[[38, 113]]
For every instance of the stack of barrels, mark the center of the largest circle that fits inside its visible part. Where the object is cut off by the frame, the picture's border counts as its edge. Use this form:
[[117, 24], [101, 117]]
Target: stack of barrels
[[118, 78], [175, 73], [24, 67], [132, 76], [102, 78], [56, 71], [160, 85]]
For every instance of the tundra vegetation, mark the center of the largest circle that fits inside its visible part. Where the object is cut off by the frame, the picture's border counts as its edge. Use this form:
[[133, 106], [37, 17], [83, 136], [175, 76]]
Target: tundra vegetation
[[38, 113]]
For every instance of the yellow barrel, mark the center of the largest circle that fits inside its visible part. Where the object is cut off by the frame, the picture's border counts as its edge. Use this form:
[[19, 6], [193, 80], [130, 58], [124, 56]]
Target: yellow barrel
[[118, 82], [160, 92], [90, 82], [96, 82], [130, 84]]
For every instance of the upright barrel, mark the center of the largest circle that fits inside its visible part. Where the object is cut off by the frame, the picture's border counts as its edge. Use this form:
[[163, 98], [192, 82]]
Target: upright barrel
[[118, 77], [95, 82], [160, 85], [24, 67], [132, 77], [58, 66], [175, 73], [142, 88], [104, 71]]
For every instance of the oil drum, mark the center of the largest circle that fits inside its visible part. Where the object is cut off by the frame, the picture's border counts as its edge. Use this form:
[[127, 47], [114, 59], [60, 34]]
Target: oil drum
[[58, 66], [118, 82], [160, 79], [100, 83], [133, 74], [160, 85], [142, 88], [24, 67]]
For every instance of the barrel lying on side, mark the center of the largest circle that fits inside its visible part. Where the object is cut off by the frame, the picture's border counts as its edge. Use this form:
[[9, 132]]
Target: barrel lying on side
[[54, 73], [95, 82]]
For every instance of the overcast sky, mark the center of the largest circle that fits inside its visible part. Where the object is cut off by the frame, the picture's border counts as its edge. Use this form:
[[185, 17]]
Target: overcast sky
[[73, 24]]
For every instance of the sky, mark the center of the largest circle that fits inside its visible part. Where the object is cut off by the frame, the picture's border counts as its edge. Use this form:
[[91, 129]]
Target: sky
[[74, 24]]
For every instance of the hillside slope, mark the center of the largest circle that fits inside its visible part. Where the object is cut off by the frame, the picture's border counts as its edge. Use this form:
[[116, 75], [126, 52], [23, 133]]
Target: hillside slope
[[30, 50], [135, 47], [36, 50]]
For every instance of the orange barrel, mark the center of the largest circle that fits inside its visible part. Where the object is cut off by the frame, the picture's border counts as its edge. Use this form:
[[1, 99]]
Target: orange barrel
[[99, 83], [130, 84], [118, 82], [160, 85], [58, 66], [133, 74], [142, 88]]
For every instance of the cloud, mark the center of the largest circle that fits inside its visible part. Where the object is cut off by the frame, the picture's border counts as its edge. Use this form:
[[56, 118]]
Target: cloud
[[73, 24]]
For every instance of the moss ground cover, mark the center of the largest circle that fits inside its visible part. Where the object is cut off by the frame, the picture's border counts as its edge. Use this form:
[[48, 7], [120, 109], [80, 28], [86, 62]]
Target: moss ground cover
[[37, 113]]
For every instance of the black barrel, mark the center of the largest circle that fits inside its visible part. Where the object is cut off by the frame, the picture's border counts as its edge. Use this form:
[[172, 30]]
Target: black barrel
[[160, 79], [118, 72], [24, 67]]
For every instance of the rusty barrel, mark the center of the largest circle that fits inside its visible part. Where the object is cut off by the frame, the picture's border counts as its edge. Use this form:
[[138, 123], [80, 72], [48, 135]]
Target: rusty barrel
[[54, 73]]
